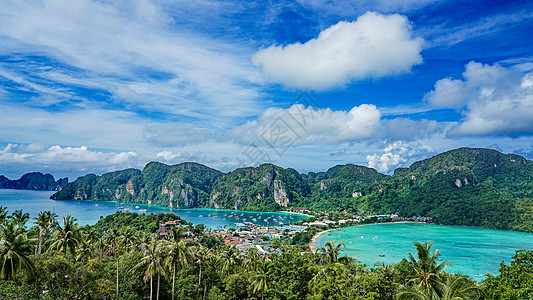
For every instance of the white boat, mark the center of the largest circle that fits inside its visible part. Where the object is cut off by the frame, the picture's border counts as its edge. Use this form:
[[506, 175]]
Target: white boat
[[142, 210]]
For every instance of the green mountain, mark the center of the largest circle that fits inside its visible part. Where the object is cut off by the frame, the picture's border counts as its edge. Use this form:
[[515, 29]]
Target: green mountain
[[477, 187], [182, 185], [267, 187], [33, 181]]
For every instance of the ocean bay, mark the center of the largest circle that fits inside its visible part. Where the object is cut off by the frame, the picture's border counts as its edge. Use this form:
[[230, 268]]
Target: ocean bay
[[89, 212], [472, 250]]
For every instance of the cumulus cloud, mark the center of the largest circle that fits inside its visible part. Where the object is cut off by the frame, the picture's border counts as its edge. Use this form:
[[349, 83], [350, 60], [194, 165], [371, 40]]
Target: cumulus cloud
[[66, 160], [373, 46], [300, 125], [493, 99], [397, 153]]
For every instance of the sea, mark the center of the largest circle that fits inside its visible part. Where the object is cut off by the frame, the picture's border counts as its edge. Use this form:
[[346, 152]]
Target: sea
[[472, 250], [89, 212]]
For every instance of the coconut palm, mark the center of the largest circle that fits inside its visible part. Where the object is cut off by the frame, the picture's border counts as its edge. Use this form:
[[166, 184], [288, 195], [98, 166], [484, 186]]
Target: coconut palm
[[201, 256], [66, 237], [229, 259], [43, 223], [330, 253], [259, 278], [454, 287], [178, 253], [3, 213], [152, 263], [20, 217], [426, 270], [112, 239], [14, 250]]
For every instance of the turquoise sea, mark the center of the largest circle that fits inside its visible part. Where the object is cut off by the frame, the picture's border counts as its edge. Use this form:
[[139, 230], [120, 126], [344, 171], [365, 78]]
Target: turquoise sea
[[89, 212], [472, 250]]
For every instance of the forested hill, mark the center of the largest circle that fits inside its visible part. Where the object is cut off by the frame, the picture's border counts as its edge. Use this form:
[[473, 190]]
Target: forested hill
[[33, 181], [478, 187]]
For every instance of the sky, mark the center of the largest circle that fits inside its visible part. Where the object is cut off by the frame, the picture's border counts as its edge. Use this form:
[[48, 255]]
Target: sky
[[97, 86]]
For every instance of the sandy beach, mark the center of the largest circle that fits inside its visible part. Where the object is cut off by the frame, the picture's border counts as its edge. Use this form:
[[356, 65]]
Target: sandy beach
[[296, 213], [312, 243]]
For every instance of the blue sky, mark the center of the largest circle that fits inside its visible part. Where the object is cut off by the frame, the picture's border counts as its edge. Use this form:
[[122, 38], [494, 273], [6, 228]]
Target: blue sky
[[96, 86]]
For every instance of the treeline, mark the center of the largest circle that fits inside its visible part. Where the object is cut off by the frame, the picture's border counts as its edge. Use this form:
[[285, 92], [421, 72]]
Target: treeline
[[60, 260]]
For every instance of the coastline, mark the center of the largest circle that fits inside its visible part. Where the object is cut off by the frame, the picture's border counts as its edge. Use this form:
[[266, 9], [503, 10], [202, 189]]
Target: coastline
[[312, 243], [296, 213]]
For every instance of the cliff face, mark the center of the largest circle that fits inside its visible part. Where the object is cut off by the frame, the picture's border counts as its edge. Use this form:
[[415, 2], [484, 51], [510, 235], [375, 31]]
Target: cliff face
[[34, 181], [259, 188], [178, 186]]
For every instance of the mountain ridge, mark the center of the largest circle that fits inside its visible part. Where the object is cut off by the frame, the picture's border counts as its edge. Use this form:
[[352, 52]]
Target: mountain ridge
[[465, 186], [34, 181]]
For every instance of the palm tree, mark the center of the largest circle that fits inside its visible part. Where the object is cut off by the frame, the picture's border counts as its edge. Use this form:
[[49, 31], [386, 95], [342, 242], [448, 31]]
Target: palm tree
[[229, 259], [20, 217], [112, 239], [43, 223], [151, 263], [330, 253], [14, 249], [202, 255], [66, 237], [3, 213], [178, 253], [259, 278], [426, 269], [454, 287]]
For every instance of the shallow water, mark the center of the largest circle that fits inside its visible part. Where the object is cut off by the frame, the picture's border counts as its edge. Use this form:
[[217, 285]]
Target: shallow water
[[472, 250], [89, 212]]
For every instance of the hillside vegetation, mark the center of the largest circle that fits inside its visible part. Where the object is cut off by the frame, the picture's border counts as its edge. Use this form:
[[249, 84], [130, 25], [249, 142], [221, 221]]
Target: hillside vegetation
[[476, 187]]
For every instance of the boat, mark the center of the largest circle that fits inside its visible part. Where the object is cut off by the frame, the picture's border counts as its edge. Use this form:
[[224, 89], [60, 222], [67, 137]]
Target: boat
[[382, 255], [142, 209], [200, 216], [214, 217], [120, 207], [194, 209], [236, 218], [375, 238], [230, 216], [96, 205], [479, 275], [136, 206]]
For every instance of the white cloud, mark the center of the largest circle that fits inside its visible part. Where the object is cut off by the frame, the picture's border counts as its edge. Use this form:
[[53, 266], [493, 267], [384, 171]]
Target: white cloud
[[308, 126], [300, 125], [373, 46], [397, 153], [133, 50], [66, 160], [495, 100]]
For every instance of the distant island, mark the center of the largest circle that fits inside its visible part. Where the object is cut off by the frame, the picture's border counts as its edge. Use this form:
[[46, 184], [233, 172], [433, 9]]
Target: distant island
[[34, 181], [466, 186]]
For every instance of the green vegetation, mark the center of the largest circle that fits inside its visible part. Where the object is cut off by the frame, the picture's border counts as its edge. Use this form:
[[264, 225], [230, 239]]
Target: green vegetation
[[121, 263], [476, 187]]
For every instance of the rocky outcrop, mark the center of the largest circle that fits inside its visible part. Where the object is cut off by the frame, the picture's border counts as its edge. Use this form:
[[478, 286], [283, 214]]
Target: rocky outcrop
[[280, 194], [34, 181]]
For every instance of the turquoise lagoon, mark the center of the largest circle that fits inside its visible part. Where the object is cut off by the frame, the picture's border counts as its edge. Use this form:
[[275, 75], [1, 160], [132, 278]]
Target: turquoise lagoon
[[472, 250], [89, 212]]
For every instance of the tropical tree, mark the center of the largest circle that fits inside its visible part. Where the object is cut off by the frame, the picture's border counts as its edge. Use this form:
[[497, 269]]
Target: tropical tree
[[329, 254], [43, 223], [426, 270], [177, 253], [66, 237], [151, 263], [112, 239], [454, 287], [3, 213], [15, 248], [259, 278], [229, 259], [20, 217]]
